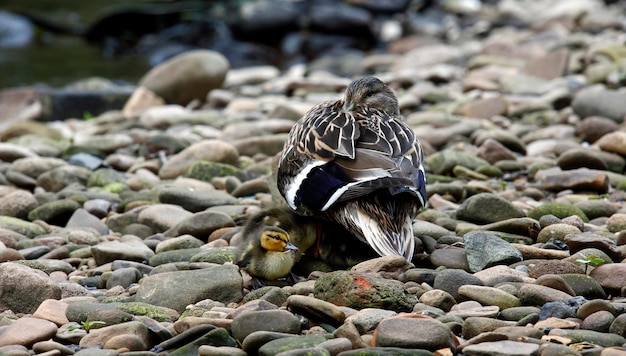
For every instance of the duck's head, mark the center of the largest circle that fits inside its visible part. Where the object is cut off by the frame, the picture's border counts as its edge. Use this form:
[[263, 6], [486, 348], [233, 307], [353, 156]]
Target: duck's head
[[275, 239], [370, 92]]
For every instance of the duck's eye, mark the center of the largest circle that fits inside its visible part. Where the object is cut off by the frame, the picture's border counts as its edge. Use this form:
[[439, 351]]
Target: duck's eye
[[275, 237]]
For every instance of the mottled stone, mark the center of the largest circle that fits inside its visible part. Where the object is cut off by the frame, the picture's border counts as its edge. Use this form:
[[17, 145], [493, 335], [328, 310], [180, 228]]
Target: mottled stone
[[357, 290]]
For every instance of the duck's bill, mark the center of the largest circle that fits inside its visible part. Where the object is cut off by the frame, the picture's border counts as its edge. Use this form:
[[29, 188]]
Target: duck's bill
[[291, 247]]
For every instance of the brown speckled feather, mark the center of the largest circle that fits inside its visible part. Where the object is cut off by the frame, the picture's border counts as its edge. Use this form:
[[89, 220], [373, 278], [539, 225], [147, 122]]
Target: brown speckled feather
[[346, 149]]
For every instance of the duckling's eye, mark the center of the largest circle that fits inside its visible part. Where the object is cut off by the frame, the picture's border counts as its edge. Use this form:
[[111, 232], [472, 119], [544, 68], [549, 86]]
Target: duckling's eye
[[275, 237]]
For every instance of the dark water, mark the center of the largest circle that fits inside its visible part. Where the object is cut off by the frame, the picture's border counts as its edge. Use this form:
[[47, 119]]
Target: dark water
[[56, 59], [64, 61]]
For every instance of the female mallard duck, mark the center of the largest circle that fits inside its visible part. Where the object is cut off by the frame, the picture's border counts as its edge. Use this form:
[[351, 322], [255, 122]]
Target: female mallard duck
[[268, 253], [354, 161]]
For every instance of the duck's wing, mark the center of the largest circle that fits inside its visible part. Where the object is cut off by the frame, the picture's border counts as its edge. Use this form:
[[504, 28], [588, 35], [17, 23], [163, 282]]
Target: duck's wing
[[323, 134], [332, 156], [387, 156]]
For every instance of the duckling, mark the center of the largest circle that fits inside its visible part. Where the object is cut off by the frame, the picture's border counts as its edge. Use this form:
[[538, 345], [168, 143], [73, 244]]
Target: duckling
[[316, 239], [269, 254], [354, 161]]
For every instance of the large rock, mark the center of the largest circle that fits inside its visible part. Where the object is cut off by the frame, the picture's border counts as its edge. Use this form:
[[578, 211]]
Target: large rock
[[208, 150], [23, 289], [488, 208], [358, 290], [178, 289], [188, 76]]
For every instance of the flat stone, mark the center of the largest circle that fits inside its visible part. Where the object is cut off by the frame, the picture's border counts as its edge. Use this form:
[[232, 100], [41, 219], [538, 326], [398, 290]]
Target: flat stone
[[414, 333], [501, 348], [27, 331], [52, 310], [577, 179], [178, 289]]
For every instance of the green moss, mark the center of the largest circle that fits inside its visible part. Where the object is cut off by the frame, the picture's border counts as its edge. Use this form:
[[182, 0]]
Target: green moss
[[21, 226], [151, 311], [206, 171], [560, 210]]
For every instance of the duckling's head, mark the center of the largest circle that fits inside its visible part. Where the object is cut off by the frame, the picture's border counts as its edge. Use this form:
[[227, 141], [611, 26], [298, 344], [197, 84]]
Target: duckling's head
[[275, 239], [370, 92]]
